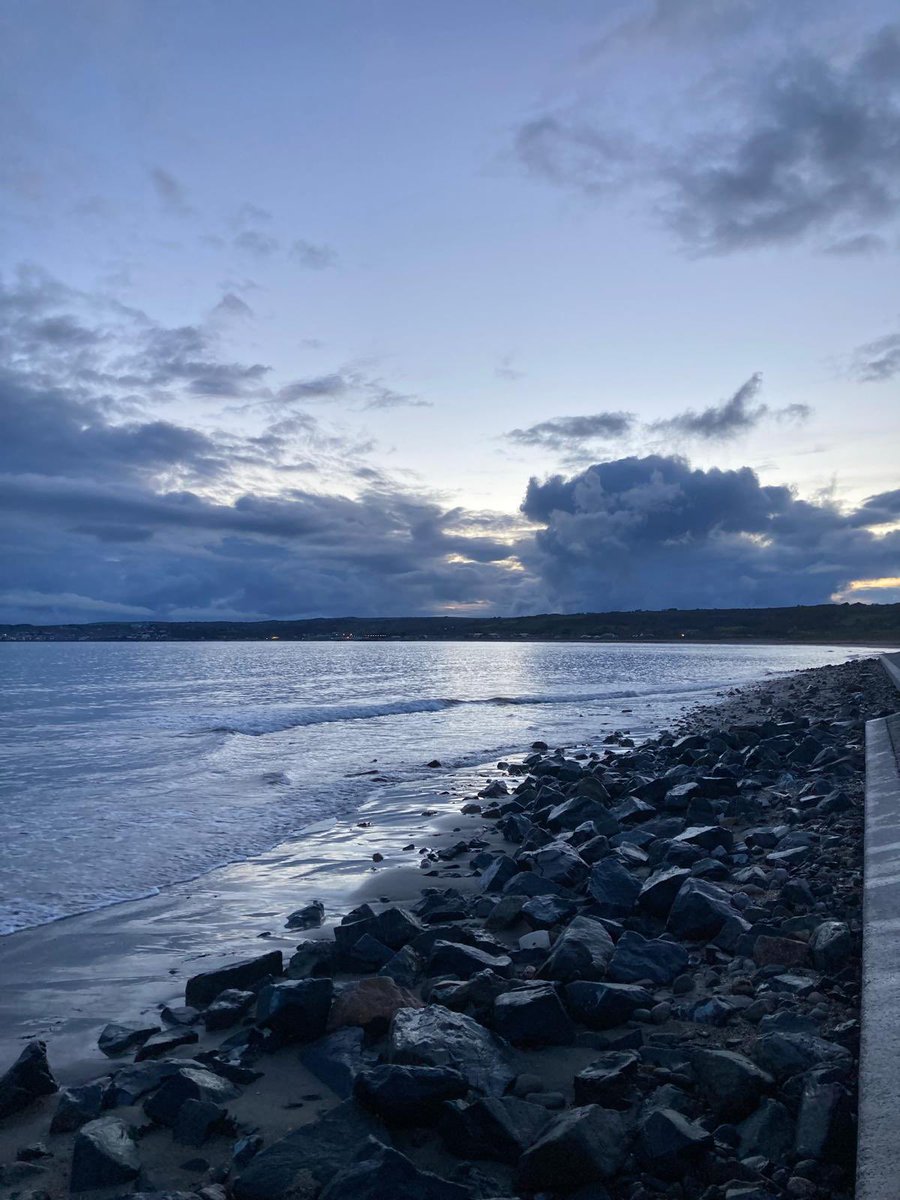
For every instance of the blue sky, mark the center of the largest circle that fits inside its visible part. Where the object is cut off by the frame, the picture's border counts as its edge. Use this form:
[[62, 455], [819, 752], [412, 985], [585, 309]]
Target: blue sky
[[297, 298]]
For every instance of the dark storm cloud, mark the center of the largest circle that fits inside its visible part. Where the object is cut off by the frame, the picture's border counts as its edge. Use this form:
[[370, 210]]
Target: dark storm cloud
[[882, 509], [877, 360], [813, 148], [653, 532], [570, 433]]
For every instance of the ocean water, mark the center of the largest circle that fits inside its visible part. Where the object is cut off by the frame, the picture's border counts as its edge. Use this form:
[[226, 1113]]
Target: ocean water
[[128, 766]]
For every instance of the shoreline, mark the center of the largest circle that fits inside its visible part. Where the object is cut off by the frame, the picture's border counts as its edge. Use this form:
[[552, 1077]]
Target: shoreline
[[392, 828]]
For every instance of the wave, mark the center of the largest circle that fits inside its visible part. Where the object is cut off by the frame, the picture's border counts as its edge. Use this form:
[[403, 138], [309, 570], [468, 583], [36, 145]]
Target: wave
[[280, 719]]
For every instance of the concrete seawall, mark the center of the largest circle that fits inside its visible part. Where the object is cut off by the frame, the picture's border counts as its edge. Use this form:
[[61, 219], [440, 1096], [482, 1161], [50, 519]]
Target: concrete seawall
[[878, 1169]]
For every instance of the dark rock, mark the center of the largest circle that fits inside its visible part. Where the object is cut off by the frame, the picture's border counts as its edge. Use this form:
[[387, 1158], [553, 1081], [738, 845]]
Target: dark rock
[[119, 1039], [831, 945], [544, 912], [382, 1172], [370, 1004], [582, 951], [560, 863], [670, 1143], [636, 958], [337, 1059], [451, 958], [367, 953], [132, 1082], [408, 1095], [202, 989], [505, 913], [699, 910], [527, 883], [161, 1043], [779, 951], [227, 1009], [707, 837], [436, 1037], [605, 1005], [731, 1083], [245, 1149], [308, 917], [496, 1128], [77, 1106], [396, 927], [405, 968], [768, 1132], [604, 1080], [572, 813], [825, 1126], [197, 1121], [499, 873], [104, 1155], [314, 959], [188, 1083], [581, 1146], [785, 1054], [179, 1014], [300, 1165], [27, 1080], [296, 1010], [533, 1016], [613, 888], [660, 889]]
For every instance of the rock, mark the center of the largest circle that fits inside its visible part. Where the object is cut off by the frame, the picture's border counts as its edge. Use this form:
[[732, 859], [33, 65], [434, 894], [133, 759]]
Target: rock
[[707, 837], [533, 1016], [499, 873], [202, 989], [505, 913], [315, 958], [779, 951], [308, 917], [227, 1009], [382, 1172], [560, 863], [544, 912], [614, 888], [731, 1083], [436, 1037], [188, 1083], [197, 1121], [582, 951], [27, 1080], [179, 1014], [785, 1054], [659, 891], [296, 1010], [605, 1005], [579, 1147], [367, 953], [104, 1155], [337, 1059], [461, 962], [604, 1080], [408, 1095], [538, 939], [670, 1143], [768, 1132], [825, 1126], [396, 927], [370, 1004], [831, 945], [119, 1039], [160, 1044], [300, 1165], [405, 968], [129, 1084], [636, 958], [77, 1106], [244, 1149], [699, 910], [496, 1128]]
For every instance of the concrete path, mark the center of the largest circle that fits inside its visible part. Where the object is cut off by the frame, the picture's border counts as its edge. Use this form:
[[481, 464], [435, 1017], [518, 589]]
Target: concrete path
[[878, 1169]]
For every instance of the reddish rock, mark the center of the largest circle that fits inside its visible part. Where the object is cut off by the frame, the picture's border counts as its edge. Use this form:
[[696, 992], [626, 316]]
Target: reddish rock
[[371, 1003], [780, 952]]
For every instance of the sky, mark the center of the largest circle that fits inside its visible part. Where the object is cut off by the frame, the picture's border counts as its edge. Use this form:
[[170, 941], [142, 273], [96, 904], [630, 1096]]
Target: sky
[[382, 307]]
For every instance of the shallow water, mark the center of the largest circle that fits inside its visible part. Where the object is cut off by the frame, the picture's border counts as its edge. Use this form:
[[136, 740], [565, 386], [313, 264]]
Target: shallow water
[[125, 767]]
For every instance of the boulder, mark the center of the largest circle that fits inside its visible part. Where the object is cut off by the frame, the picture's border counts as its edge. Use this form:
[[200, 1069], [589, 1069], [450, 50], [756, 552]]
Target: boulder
[[405, 968], [771, 951], [533, 1016], [337, 1059], [461, 962], [582, 951], [159, 1044], [77, 1106], [605, 1005], [541, 912], [767, 1133], [731, 1083], [500, 1128], [202, 989], [581, 1146], [380, 1172], [104, 1155], [831, 945], [699, 910], [437, 1037], [314, 958], [117, 1039], [396, 927], [227, 1009], [636, 958], [604, 1081], [613, 887], [786, 1054], [408, 1095], [825, 1124], [308, 917], [669, 1143], [296, 1010], [188, 1083], [560, 863], [197, 1121], [370, 1004], [129, 1084], [660, 889], [27, 1080]]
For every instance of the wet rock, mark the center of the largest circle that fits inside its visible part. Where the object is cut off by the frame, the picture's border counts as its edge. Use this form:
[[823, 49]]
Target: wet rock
[[604, 1081], [605, 1005], [227, 1009], [767, 1133], [731, 1083], [129, 1084], [408, 1095], [581, 1146], [614, 889], [533, 1016], [27, 1080], [461, 962], [636, 958], [505, 913], [314, 959], [396, 927], [381, 1172], [500, 1128], [179, 1014], [669, 1143], [77, 1106], [202, 989], [831, 945], [499, 873], [296, 1010], [560, 863], [117, 1039], [305, 1161], [370, 1004], [582, 951], [660, 889], [198, 1121], [785, 1054], [104, 1155], [699, 910], [188, 1083], [545, 912], [337, 1059], [437, 1037], [405, 968], [310, 916], [159, 1044]]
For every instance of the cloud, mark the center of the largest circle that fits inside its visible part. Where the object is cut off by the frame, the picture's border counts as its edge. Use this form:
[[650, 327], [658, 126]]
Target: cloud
[[232, 306], [570, 433], [170, 192], [312, 256], [805, 148], [876, 361], [350, 384], [256, 242], [653, 532]]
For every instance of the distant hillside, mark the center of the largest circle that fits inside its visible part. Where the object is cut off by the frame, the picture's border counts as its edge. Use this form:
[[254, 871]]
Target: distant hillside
[[863, 623]]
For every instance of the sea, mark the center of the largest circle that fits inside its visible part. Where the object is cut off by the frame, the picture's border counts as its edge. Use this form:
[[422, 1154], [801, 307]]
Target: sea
[[126, 767]]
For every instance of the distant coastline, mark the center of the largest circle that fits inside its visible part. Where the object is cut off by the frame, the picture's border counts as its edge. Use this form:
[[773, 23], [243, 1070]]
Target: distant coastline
[[844, 624]]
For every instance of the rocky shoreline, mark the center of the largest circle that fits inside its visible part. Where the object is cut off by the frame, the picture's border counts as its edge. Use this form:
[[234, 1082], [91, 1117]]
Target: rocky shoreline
[[632, 973]]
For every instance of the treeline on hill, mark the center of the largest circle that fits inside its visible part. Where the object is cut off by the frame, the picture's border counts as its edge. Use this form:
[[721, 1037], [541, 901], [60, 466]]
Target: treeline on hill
[[813, 623]]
